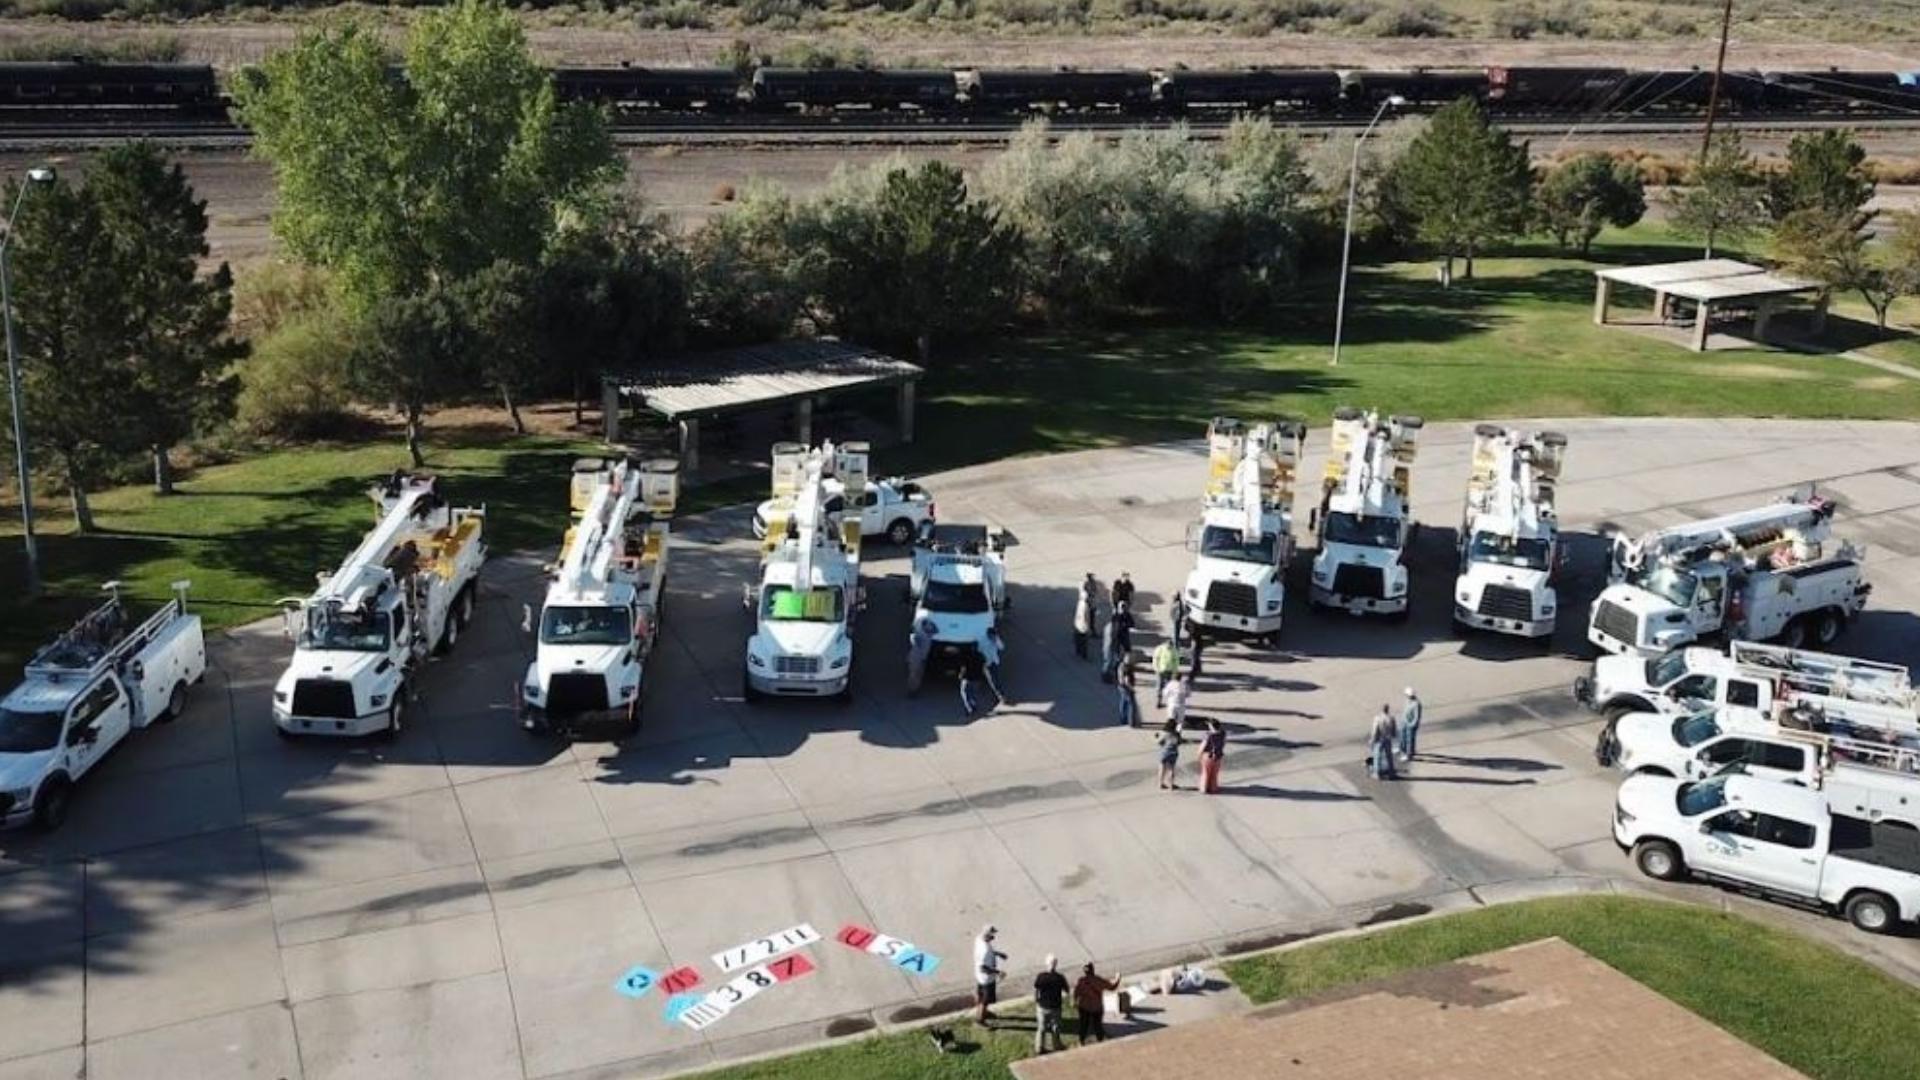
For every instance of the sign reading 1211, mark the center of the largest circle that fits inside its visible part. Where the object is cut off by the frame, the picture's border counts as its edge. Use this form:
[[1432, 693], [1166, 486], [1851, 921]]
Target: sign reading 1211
[[753, 952]]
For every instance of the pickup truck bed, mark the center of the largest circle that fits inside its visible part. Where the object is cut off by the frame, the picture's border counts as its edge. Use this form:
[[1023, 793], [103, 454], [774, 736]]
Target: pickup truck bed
[[1876, 844]]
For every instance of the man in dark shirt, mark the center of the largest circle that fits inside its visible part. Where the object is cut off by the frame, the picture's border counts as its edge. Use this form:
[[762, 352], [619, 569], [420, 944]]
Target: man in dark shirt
[[1122, 589], [1090, 1004], [1049, 996]]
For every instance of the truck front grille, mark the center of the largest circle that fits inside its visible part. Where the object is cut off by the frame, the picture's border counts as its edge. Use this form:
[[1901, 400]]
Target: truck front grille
[[796, 665], [1616, 622], [572, 692], [1233, 598], [323, 697], [1506, 602], [1360, 582]]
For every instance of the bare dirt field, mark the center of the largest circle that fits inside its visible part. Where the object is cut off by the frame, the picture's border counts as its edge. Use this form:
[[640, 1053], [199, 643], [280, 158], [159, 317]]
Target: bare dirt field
[[233, 44]]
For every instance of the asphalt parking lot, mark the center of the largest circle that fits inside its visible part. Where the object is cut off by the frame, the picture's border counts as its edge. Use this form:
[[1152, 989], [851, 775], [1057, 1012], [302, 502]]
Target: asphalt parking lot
[[463, 900]]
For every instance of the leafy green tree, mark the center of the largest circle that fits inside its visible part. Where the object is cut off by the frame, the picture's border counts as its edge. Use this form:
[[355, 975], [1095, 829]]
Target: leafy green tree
[[393, 182], [411, 353], [1722, 203], [1586, 194], [73, 322], [1266, 190], [1826, 171], [179, 342], [744, 280], [1903, 252], [1824, 246], [1466, 184], [499, 312], [916, 261], [611, 296]]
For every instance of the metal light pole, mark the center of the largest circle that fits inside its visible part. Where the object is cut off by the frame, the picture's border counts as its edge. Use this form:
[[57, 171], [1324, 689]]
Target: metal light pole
[[34, 176], [1346, 245]]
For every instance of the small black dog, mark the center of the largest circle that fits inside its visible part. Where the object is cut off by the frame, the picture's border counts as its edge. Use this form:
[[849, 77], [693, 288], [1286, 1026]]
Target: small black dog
[[942, 1038]]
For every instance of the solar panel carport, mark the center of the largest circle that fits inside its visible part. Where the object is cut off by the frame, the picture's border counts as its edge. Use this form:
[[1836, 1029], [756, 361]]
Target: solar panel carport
[[1707, 283], [688, 389]]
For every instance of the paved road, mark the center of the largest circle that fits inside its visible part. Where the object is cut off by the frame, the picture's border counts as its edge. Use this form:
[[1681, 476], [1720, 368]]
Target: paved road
[[461, 901]]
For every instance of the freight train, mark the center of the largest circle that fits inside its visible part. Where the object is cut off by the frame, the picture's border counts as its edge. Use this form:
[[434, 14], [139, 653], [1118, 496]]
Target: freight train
[[1286, 92]]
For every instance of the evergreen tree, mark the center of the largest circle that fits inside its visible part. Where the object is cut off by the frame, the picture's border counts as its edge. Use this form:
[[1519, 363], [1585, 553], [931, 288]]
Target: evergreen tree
[[1466, 184], [1721, 204], [1584, 195]]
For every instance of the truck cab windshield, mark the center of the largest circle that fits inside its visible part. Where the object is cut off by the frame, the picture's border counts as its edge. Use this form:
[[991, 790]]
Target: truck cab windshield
[[585, 626], [1665, 668], [1357, 531], [349, 631], [954, 598], [28, 732], [781, 603], [1530, 554], [1703, 797], [1671, 584], [1220, 542], [1694, 730]]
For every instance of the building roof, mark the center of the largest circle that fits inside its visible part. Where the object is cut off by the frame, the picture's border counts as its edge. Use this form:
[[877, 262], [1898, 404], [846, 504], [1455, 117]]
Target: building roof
[[706, 384], [1710, 280]]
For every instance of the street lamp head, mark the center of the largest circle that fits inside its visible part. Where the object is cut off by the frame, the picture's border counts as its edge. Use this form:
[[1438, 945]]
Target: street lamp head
[[1396, 100], [42, 174]]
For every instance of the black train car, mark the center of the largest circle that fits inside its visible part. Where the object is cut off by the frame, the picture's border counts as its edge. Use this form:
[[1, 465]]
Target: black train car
[[714, 89], [1304, 90], [1367, 89], [790, 88], [81, 83], [1838, 91], [1558, 89], [1016, 90], [1688, 91]]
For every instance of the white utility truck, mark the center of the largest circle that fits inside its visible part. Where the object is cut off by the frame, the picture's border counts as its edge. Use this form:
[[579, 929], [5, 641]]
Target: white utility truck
[[1243, 541], [359, 640], [1364, 522], [1778, 838], [1761, 574], [809, 595], [602, 612], [959, 584], [894, 508], [84, 693], [1509, 533]]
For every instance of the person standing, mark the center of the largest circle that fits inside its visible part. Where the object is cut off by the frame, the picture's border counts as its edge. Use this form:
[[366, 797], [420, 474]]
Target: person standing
[[1199, 643], [991, 648], [1168, 743], [1090, 1004], [1175, 699], [1049, 998], [1166, 665], [1380, 746], [1090, 588], [973, 672], [1213, 750], [1177, 618], [1123, 626], [1082, 624], [1410, 724], [1129, 704], [1109, 649], [919, 647], [986, 973], [1122, 590]]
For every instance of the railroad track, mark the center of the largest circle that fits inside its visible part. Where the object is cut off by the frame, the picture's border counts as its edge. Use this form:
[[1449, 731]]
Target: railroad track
[[20, 129]]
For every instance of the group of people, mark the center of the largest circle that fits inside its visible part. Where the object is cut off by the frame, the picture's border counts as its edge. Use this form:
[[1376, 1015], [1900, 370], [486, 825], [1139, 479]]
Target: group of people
[[979, 665], [1050, 992], [1394, 740]]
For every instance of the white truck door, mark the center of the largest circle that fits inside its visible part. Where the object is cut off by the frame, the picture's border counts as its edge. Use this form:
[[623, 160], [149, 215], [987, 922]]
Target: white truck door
[[1784, 856], [1756, 757], [1744, 697], [1709, 605], [100, 717], [873, 510], [1726, 845]]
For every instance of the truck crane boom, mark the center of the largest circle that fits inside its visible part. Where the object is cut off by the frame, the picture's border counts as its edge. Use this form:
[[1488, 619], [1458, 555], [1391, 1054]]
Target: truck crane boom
[[1746, 532]]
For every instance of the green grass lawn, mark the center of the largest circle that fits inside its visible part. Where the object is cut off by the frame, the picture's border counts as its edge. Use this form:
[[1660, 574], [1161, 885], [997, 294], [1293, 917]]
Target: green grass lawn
[[1809, 1005]]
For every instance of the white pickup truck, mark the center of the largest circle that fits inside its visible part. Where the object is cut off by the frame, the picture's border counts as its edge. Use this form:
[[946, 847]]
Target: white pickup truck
[[895, 508], [1778, 838]]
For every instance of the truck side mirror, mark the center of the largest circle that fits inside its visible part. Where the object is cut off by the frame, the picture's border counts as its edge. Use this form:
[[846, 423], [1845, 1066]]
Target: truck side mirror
[[1193, 536], [1706, 828], [1313, 519], [526, 618]]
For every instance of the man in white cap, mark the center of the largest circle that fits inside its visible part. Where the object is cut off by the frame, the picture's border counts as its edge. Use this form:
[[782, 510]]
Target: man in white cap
[[986, 972], [1409, 724], [1049, 997]]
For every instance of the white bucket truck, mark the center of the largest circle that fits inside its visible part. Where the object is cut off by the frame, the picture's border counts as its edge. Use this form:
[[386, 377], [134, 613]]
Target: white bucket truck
[[407, 590], [1364, 522], [959, 584], [895, 509], [1243, 541], [809, 594], [1762, 574], [1510, 533], [89, 689], [601, 616]]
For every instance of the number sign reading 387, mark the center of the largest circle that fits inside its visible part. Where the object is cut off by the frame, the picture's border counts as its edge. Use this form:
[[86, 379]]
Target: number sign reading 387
[[758, 950], [742, 988]]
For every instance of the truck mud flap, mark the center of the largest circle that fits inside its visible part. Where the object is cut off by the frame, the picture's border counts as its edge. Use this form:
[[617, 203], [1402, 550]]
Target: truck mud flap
[[1606, 749]]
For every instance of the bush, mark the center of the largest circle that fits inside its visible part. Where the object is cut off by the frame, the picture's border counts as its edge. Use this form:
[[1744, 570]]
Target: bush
[[1412, 20], [1036, 12], [823, 55], [1518, 22], [267, 295], [676, 15], [146, 48], [1568, 18], [294, 386]]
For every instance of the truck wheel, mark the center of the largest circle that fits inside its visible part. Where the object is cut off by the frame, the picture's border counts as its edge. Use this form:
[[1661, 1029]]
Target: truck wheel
[[50, 809], [1794, 634], [1871, 912], [1827, 625], [1658, 860], [747, 693], [1617, 709], [177, 701], [900, 533]]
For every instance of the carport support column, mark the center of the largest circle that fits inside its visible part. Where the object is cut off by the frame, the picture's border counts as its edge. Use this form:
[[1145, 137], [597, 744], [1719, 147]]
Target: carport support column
[[610, 410], [1762, 315], [803, 419], [1660, 306], [690, 446], [906, 411], [1602, 295], [1702, 319]]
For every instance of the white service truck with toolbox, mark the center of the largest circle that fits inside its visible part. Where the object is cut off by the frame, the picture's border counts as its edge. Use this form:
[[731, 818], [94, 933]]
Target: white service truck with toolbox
[[1510, 533], [92, 687], [1780, 839], [1243, 541], [895, 509], [809, 595], [1770, 573], [958, 583], [601, 616], [1364, 521], [405, 591]]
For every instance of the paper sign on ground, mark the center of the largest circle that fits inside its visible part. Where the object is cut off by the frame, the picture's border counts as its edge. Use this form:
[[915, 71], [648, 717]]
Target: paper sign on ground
[[900, 953], [636, 982], [715, 1006], [759, 949]]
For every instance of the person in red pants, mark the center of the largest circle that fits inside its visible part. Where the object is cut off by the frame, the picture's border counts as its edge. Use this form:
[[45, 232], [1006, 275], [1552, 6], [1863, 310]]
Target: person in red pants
[[1212, 749]]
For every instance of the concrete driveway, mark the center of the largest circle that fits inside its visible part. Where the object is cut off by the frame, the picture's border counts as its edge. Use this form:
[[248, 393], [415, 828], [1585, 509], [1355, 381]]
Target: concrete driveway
[[462, 901]]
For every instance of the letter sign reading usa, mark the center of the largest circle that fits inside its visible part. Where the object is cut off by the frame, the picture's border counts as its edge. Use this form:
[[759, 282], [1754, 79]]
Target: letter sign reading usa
[[760, 949], [901, 954]]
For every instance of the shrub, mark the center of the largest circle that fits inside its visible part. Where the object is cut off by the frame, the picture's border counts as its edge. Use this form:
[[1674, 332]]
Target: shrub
[[1411, 20], [294, 386], [823, 55], [676, 15], [269, 294], [1518, 22], [145, 48]]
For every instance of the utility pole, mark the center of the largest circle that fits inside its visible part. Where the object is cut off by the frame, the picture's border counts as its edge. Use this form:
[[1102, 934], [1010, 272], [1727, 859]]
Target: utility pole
[[1719, 65]]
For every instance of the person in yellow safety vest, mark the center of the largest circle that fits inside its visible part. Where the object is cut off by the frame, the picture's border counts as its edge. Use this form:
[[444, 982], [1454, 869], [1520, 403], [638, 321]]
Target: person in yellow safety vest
[[1166, 663]]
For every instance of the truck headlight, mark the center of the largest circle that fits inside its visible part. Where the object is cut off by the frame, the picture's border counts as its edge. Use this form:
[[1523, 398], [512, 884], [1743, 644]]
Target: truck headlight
[[627, 692], [1193, 594], [19, 796], [377, 700], [1322, 576], [280, 696], [530, 692], [1465, 598], [755, 661], [1546, 610], [1274, 604], [840, 662]]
